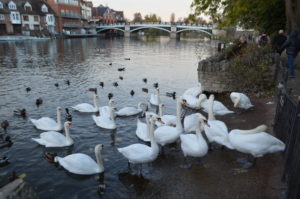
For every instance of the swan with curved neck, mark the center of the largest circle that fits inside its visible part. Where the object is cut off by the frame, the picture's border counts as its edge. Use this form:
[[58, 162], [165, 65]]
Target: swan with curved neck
[[218, 107], [106, 119], [218, 131], [129, 111], [169, 120], [195, 91], [48, 124], [167, 134], [240, 100], [141, 153], [87, 108], [155, 98], [255, 141], [194, 145], [55, 139], [82, 164], [195, 102]]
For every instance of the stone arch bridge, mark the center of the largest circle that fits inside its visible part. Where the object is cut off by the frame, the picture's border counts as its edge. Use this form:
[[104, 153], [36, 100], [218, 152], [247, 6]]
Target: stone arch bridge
[[173, 29]]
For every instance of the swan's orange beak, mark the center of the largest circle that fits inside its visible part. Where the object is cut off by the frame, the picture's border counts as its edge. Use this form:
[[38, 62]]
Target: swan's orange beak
[[206, 123], [185, 102], [160, 121]]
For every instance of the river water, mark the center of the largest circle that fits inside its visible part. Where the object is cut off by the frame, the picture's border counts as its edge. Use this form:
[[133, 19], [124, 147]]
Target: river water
[[86, 62]]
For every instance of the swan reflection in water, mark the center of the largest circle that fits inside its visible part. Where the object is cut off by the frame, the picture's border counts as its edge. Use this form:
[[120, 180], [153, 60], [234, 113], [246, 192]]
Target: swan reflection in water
[[137, 182]]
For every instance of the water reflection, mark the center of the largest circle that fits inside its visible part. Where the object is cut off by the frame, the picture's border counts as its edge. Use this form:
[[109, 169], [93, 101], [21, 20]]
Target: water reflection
[[85, 63]]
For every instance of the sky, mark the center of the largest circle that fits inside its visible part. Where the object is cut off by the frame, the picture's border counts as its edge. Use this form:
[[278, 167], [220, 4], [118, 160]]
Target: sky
[[162, 8]]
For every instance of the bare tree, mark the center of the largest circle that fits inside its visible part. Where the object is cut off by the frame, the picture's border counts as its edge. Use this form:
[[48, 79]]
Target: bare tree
[[172, 19]]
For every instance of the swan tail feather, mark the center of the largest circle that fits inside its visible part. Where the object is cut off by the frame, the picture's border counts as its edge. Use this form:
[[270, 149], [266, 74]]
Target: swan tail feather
[[39, 141]]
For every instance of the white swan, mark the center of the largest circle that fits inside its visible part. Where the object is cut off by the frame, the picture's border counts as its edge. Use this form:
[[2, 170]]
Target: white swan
[[82, 164], [167, 134], [194, 102], [87, 108], [155, 98], [129, 111], [167, 119], [143, 129], [105, 121], [195, 91], [141, 153], [194, 144], [49, 124], [55, 139], [240, 100], [255, 141], [218, 108], [217, 130], [104, 110]]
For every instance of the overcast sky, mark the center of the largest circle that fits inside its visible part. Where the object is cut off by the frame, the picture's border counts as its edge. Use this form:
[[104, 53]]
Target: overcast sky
[[162, 8]]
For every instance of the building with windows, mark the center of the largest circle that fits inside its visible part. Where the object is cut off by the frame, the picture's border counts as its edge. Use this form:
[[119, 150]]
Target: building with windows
[[106, 15], [26, 15]]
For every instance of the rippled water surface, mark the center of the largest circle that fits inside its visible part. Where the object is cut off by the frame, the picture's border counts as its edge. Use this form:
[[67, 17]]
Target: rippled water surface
[[85, 62]]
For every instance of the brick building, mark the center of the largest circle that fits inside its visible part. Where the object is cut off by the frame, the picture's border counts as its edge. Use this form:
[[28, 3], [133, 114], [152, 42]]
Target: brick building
[[107, 15]]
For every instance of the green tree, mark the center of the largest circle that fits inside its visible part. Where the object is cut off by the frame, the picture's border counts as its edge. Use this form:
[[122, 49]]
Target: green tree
[[137, 17], [152, 18], [262, 15]]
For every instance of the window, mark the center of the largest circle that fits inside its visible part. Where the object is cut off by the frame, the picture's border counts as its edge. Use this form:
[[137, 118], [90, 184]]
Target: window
[[25, 18], [62, 12], [1, 4], [44, 8], [27, 7], [1, 17], [12, 5], [36, 18], [17, 17]]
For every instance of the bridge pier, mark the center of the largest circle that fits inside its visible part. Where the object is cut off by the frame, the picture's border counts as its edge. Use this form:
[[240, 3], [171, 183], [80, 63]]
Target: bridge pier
[[174, 35], [127, 30]]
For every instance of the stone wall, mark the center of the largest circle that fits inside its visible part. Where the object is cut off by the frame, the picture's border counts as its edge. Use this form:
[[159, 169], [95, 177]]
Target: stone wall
[[214, 75]]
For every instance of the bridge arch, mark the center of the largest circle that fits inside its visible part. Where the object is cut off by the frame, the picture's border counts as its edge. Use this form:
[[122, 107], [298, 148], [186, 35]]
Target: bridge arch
[[195, 29], [110, 28], [146, 27]]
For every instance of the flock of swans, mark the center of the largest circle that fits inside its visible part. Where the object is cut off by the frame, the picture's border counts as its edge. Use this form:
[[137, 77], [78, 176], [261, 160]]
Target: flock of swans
[[160, 130]]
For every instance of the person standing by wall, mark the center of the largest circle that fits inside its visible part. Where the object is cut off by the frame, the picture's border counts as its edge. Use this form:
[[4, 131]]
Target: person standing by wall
[[262, 40], [292, 46], [278, 40]]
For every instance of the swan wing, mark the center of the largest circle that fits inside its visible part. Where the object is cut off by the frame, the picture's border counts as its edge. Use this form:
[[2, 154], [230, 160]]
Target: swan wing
[[165, 135], [104, 111], [190, 123], [245, 102], [256, 144], [46, 123], [128, 111], [154, 99], [220, 109], [85, 107], [195, 91], [104, 122], [169, 119], [79, 163], [141, 131], [193, 145], [53, 139], [137, 153]]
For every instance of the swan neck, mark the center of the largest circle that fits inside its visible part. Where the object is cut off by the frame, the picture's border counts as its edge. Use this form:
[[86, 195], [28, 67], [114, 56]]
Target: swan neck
[[95, 102], [67, 134], [112, 116], [151, 134], [211, 115], [59, 119], [148, 126], [258, 129], [178, 117], [99, 159], [160, 111], [237, 101], [199, 128]]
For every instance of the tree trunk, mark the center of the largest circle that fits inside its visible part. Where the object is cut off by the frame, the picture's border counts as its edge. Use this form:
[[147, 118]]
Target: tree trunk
[[292, 11]]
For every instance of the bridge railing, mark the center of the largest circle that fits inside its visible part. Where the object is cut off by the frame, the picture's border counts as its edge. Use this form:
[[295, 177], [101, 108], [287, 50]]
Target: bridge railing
[[158, 23]]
